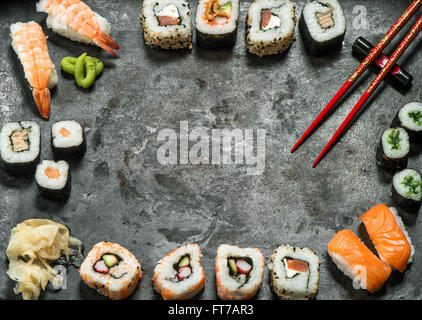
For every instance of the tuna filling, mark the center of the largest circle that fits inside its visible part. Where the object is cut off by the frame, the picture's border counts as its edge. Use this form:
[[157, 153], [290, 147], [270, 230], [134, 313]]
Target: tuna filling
[[168, 16], [325, 20], [20, 140], [268, 20]]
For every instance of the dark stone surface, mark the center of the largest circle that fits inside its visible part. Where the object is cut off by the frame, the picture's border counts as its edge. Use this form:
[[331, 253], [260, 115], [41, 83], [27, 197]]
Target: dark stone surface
[[120, 193]]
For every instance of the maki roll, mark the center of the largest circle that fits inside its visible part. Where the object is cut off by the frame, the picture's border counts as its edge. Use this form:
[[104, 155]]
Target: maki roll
[[409, 117], [238, 272], [294, 272], [67, 139], [322, 26], [179, 275], [167, 24], [216, 23], [112, 270], [53, 179], [270, 25], [393, 150], [20, 145], [406, 190]]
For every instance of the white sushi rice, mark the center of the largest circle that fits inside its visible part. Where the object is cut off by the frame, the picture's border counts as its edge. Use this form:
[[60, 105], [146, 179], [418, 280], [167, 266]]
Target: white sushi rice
[[274, 40], [403, 229], [165, 274], [23, 57], [52, 183], [406, 120], [73, 140], [356, 273], [304, 285], [6, 147], [167, 37], [228, 288], [317, 32], [222, 26], [59, 24], [402, 189], [404, 145]]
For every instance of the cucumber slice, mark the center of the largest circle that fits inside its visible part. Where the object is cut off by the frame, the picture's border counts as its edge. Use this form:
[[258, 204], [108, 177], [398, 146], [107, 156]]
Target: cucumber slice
[[184, 262], [110, 260], [232, 265], [227, 8]]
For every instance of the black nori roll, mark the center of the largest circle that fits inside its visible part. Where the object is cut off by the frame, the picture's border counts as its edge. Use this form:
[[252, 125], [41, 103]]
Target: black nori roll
[[53, 179], [68, 140], [409, 117], [393, 150], [406, 190], [214, 41]]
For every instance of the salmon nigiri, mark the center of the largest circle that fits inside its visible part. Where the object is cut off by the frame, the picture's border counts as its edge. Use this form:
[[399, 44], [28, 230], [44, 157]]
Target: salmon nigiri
[[75, 20], [357, 262], [30, 44], [387, 232]]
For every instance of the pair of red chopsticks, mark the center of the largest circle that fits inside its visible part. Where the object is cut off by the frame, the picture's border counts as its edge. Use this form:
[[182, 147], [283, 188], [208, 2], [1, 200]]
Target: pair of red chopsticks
[[375, 52]]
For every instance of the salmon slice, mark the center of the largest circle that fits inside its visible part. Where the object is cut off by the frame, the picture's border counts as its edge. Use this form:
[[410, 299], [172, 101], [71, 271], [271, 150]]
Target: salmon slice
[[357, 261], [388, 237], [265, 17], [167, 21]]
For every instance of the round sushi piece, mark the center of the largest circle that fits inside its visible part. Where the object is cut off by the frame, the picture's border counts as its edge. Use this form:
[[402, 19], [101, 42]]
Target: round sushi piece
[[409, 117], [322, 26], [167, 24], [216, 23], [112, 270], [53, 179], [20, 146], [294, 273], [406, 190], [238, 272], [270, 25], [179, 275], [67, 139], [393, 150]]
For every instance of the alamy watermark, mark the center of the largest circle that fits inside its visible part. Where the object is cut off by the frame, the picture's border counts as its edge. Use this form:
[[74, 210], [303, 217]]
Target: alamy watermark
[[215, 146]]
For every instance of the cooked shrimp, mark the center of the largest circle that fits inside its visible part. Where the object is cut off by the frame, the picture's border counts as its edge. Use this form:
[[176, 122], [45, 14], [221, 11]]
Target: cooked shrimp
[[75, 20], [30, 44]]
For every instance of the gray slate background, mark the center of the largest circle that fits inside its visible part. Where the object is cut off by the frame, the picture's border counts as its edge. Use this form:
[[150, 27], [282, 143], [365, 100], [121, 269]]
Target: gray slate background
[[120, 193]]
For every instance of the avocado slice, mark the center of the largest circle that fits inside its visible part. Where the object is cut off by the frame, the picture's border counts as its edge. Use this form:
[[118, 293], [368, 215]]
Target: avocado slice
[[232, 265], [227, 8], [184, 262], [110, 260]]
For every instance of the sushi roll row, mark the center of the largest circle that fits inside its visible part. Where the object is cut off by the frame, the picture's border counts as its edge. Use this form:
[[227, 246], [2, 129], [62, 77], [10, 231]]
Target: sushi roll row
[[391, 241], [238, 273], [393, 152]]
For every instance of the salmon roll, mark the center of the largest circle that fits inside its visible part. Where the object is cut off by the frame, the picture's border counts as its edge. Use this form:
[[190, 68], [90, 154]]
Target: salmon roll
[[389, 236], [216, 23], [179, 275], [238, 272], [406, 190], [112, 270], [167, 24], [294, 273], [67, 139], [357, 262], [409, 117], [270, 26], [322, 26], [20, 147], [53, 179], [393, 150]]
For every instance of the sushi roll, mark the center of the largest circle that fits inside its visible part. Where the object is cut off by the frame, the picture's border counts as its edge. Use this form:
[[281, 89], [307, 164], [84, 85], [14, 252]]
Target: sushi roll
[[357, 262], [294, 273], [179, 275], [322, 26], [167, 24], [409, 117], [20, 145], [393, 150], [389, 236], [216, 23], [112, 270], [406, 190], [67, 139], [53, 179], [270, 26], [238, 272]]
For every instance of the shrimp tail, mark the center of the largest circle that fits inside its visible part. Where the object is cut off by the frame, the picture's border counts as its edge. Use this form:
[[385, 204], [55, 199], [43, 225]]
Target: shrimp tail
[[104, 46], [42, 101], [105, 37]]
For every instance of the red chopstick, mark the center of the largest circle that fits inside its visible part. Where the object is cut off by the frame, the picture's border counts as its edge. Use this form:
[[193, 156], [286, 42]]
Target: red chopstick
[[375, 52], [383, 73]]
